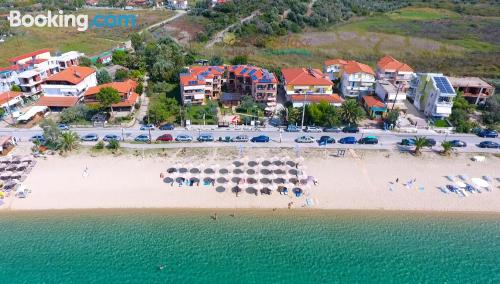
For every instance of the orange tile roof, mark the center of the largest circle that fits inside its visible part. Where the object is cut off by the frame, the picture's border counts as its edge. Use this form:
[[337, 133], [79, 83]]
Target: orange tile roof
[[355, 67], [73, 74], [389, 63], [132, 99], [335, 62], [121, 87], [373, 101], [260, 75], [305, 77], [28, 55], [198, 74], [314, 98], [57, 101], [7, 96]]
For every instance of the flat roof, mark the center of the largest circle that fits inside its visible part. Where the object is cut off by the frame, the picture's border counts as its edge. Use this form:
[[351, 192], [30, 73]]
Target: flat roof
[[468, 82]]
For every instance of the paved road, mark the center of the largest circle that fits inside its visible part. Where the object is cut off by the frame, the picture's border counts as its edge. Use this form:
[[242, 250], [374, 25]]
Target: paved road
[[387, 140], [220, 35]]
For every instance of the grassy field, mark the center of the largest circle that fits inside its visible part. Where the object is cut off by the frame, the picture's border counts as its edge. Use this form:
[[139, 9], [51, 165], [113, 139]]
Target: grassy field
[[92, 41], [428, 39]]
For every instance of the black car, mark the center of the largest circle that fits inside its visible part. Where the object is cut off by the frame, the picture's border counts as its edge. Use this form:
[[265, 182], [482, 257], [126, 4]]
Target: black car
[[488, 133], [350, 129], [332, 129], [458, 143], [431, 142], [368, 140], [326, 140], [489, 144], [167, 127]]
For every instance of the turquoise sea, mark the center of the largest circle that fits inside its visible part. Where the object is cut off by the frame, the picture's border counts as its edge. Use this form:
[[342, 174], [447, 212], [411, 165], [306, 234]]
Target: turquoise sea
[[128, 246]]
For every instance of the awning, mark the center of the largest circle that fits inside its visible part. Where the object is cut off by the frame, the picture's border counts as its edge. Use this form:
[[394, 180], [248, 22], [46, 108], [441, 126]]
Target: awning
[[57, 101], [32, 112]]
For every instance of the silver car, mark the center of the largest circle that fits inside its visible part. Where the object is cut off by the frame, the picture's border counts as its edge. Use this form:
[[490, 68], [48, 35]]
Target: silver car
[[313, 129], [240, 138]]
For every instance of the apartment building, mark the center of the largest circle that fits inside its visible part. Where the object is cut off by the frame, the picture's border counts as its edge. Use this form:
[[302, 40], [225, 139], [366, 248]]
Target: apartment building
[[432, 94], [358, 80], [395, 72], [334, 67], [201, 83], [126, 90]]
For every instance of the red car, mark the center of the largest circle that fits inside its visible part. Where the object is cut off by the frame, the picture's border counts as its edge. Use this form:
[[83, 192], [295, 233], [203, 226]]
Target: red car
[[165, 138]]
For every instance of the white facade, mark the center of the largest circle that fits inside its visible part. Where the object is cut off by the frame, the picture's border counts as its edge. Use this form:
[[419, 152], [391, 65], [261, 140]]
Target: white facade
[[433, 95], [333, 71], [388, 92], [70, 90], [68, 59], [357, 84], [8, 78], [178, 4]]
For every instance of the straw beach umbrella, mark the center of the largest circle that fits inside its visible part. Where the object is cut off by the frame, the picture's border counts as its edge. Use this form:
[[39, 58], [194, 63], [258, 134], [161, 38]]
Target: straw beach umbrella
[[222, 180], [251, 172], [238, 171], [5, 175], [223, 171]]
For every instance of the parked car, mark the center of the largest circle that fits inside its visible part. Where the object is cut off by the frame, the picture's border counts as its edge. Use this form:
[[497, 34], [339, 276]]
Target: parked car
[[313, 129], [63, 126], [205, 138], [90, 137], [240, 138], [368, 140], [350, 129], [167, 127], [488, 144], [109, 137], [332, 129], [458, 143], [225, 139], [488, 133], [326, 140], [408, 142], [305, 139], [183, 138], [142, 138], [165, 138], [148, 127], [38, 137], [292, 128], [348, 140], [260, 139], [431, 142]]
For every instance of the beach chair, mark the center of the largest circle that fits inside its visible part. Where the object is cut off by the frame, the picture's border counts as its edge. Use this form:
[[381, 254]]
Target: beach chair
[[463, 177], [450, 178]]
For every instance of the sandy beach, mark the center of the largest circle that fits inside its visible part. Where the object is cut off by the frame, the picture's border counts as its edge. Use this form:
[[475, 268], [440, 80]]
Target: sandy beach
[[360, 180]]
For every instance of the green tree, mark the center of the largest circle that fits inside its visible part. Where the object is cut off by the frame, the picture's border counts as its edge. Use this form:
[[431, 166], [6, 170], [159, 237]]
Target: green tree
[[2, 112], [216, 61], [447, 148], [15, 88], [69, 141], [121, 75], [140, 88], [120, 57], [108, 96], [392, 116], [85, 61], [351, 112], [420, 142], [52, 133], [137, 42], [239, 60], [103, 77], [113, 144]]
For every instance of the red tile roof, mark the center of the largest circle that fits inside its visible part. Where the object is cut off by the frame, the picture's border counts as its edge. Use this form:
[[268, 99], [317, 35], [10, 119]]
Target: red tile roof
[[316, 98], [256, 73], [132, 99], [57, 101], [198, 74], [122, 87], [355, 67], [389, 63], [28, 55], [305, 77], [336, 62], [7, 96], [73, 74], [373, 101]]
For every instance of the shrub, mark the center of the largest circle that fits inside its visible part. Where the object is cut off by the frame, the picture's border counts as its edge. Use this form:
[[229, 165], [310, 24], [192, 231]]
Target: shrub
[[99, 145], [113, 145]]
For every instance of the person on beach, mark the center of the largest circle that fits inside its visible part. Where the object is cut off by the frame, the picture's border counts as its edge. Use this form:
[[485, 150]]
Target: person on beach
[[85, 172], [397, 180], [162, 176]]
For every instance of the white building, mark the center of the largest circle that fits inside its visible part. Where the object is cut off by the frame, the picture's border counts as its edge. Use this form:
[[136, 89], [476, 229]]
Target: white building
[[357, 80], [73, 81], [397, 73], [8, 78], [433, 94], [68, 59], [333, 68], [178, 4], [390, 94]]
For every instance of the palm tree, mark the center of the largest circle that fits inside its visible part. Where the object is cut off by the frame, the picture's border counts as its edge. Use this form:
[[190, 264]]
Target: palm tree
[[69, 141], [447, 148], [420, 142], [350, 112]]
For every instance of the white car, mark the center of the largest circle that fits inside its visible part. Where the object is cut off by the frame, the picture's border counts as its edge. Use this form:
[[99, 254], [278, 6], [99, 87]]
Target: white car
[[313, 129], [305, 139]]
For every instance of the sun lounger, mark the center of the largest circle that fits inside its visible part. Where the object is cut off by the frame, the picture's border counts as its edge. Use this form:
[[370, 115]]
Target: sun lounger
[[488, 178], [463, 177], [450, 178]]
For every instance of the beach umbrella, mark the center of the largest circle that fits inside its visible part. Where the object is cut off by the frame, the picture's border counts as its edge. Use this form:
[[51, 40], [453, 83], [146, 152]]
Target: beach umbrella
[[460, 183], [223, 171], [251, 171], [279, 180], [10, 184], [5, 175], [278, 163], [266, 180], [253, 189], [252, 163], [294, 172], [16, 159], [238, 171], [27, 159], [194, 171], [266, 171], [3, 167], [5, 160], [236, 189], [236, 180], [222, 180], [480, 182], [488, 178], [17, 174], [238, 163], [252, 180], [280, 172], [23, 165], [463, 177], [266, 162], [11, 167], [172, 170]]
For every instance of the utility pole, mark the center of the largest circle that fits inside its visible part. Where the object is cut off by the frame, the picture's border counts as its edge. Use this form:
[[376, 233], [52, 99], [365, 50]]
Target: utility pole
[[396, 97], [303, 112]]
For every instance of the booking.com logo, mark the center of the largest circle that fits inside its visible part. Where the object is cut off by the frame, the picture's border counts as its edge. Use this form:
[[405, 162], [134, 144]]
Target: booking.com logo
[[79, 21]]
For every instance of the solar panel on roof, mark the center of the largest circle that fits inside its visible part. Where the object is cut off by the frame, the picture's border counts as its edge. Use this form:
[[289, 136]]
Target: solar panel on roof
[[252, 72], [443, 85], [192, 82], [244, 70]]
